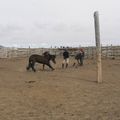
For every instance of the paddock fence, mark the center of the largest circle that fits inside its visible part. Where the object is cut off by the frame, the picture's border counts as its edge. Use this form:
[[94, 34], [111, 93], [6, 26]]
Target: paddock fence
[[108, 52]]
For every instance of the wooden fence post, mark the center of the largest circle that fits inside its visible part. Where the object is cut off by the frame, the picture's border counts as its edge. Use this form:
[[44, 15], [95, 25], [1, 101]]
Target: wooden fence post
[[98, 47]]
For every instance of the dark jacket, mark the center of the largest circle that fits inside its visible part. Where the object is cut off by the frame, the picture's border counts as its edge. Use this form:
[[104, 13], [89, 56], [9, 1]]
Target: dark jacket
[[65, 54], [79, 55]]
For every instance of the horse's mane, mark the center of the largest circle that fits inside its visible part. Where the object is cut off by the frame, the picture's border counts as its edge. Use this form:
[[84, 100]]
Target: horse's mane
[[49, 56]]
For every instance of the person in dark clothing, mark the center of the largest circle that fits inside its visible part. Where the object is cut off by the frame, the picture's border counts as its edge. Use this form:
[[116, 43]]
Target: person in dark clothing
[[79, 57], [65, 58]]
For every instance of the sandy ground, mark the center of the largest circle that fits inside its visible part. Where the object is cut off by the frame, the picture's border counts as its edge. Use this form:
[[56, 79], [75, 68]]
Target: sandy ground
[[62, 94]]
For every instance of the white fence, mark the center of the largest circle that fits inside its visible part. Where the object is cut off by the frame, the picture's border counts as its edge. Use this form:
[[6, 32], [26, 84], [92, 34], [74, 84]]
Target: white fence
[[90, 52], [23, 52]]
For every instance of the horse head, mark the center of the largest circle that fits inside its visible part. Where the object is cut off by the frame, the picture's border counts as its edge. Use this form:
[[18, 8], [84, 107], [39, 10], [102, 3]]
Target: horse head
[[52, 58]]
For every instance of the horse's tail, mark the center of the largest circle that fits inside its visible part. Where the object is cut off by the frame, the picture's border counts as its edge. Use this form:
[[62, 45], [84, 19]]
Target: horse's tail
[[29, 66], [30, 63]]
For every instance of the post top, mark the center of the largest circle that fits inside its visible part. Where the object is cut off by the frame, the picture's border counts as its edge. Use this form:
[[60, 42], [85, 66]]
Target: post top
[[96, 13]]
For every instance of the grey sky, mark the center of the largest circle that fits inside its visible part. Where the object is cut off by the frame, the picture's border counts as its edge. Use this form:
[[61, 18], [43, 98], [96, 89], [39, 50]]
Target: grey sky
[[45, 23]]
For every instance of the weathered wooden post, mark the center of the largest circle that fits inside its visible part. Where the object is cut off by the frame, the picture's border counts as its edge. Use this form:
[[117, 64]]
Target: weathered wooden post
[[98, 47]]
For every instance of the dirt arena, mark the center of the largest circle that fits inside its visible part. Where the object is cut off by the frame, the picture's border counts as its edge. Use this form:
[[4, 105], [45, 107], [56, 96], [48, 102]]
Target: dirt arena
[[62, 94]]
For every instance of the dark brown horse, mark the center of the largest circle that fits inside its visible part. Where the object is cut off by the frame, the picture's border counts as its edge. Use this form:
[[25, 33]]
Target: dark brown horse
[[79, 57], [45, 60]]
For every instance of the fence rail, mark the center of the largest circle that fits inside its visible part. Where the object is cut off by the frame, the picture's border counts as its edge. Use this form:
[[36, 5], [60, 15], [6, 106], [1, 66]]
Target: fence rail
[[112, 52]]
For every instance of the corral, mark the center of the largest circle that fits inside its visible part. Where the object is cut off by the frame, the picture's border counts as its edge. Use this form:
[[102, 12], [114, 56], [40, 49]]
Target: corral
[[63, 94], [90, 52]]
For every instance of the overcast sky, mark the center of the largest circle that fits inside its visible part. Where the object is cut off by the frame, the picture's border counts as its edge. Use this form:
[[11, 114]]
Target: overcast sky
[[45, 23]]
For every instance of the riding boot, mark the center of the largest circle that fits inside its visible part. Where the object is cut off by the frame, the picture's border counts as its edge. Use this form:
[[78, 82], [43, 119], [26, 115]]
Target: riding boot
[[66, 65], [62, 65]]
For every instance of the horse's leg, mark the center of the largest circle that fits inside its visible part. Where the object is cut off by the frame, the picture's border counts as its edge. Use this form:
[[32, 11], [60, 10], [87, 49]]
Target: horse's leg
[[32, 66], [29, 66], [78, 62], [50, 66]]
